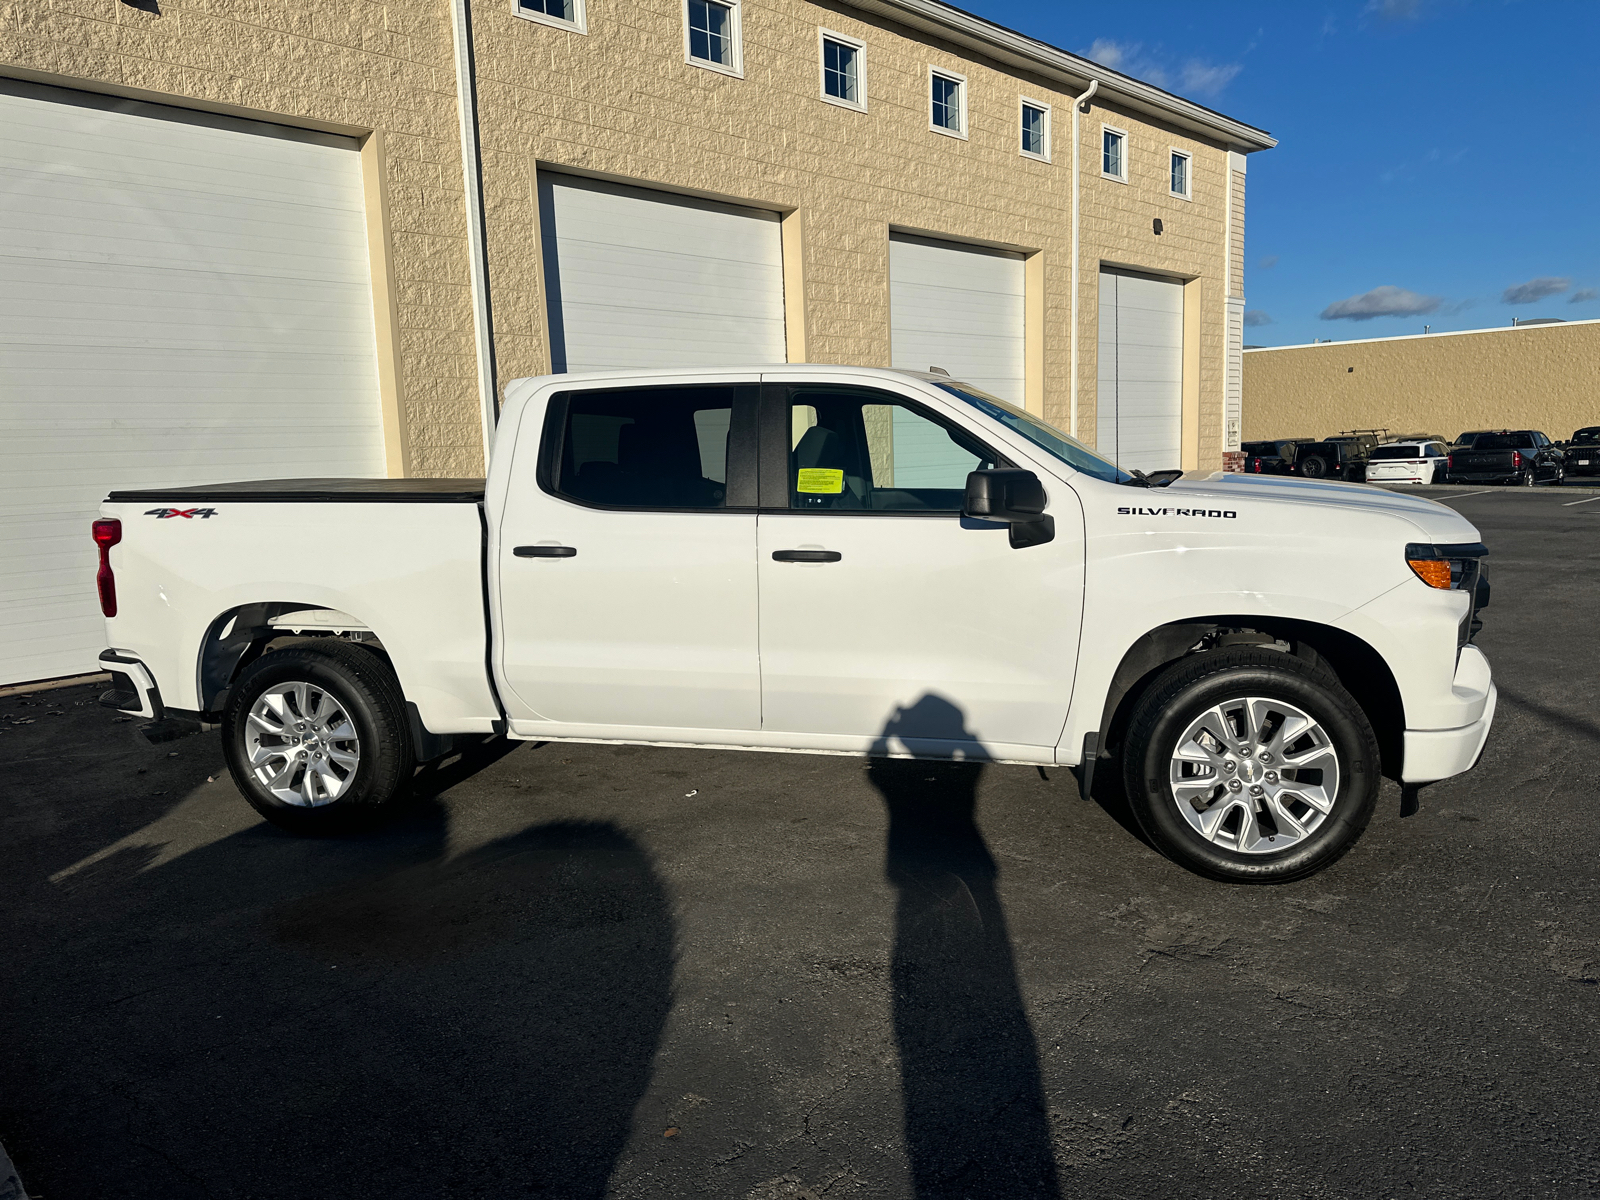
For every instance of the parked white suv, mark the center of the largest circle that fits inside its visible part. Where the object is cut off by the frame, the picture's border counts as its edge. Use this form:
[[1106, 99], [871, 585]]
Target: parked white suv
[[1407, 462], [829, 560]]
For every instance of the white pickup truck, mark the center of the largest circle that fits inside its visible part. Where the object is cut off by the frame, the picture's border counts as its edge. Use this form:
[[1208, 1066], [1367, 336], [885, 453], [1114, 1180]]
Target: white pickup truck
[[818, 559]]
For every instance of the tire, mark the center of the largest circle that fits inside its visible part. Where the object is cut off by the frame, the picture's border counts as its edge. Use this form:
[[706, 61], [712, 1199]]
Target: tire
[[339, 690], [1218, 832], [1526, 479], [1314, 467]]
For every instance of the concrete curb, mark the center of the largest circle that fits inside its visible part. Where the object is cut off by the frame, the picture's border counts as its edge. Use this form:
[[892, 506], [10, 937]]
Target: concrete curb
[[10, 1182]]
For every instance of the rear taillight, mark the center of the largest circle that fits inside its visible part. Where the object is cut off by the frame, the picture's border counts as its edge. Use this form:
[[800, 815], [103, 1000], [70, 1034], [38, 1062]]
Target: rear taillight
[[1255, 465], [107, 534], [1449, 462], [1516, 460]]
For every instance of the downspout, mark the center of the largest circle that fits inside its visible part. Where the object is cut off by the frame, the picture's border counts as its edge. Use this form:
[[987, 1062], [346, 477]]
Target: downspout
[[472, 177], [1081, 104]]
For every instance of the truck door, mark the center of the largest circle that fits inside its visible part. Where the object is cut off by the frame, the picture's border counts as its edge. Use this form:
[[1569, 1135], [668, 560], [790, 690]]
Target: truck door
[[888, 620], [625, 564]]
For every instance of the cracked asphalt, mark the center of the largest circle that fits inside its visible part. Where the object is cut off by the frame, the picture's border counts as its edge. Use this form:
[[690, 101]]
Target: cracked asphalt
[[574, 971]]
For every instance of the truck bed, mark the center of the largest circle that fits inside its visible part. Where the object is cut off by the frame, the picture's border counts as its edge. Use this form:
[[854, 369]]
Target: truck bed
[[317, 491]]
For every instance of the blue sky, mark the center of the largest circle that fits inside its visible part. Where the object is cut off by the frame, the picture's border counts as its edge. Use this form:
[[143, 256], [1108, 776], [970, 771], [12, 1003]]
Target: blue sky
[[1438, 160]]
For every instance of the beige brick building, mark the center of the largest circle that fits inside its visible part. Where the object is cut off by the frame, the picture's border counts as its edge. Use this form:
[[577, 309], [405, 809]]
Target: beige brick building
[[318, 237], [1544, 377]]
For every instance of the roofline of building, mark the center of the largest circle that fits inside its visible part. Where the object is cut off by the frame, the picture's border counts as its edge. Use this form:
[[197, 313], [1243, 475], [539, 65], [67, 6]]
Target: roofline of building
[[1017, 49], [1411, 337]]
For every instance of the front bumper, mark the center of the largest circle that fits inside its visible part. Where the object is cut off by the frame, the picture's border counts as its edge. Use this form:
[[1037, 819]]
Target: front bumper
[[1434, 754]]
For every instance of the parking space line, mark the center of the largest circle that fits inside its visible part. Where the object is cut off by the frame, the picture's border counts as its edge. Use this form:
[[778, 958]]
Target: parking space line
[[1485, 492], [1570, 503]]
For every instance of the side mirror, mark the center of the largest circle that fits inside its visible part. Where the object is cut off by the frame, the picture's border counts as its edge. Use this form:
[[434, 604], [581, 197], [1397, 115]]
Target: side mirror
[[1015, 497]]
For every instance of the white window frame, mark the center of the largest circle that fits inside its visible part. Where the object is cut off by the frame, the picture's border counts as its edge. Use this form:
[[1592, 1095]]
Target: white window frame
[[736, 35], [578, 24], [860, 47], [961, 90], [1024, 101], [1188, 172], [1126, 146]]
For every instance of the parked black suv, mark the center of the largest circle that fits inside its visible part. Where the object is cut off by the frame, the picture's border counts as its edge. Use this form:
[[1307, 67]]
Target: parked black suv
[[1519, 456], [1270, 458], [1583, 452], [1342, 457]]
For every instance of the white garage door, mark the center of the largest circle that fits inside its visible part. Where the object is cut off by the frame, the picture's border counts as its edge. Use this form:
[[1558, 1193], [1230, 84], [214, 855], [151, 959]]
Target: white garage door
[[636, 278], [183, 299], [959, 308], [1140, 398]]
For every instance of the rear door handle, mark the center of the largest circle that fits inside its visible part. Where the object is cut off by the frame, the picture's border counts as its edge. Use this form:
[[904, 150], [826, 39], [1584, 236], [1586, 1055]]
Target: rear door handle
[[806, 556], [545, 551]]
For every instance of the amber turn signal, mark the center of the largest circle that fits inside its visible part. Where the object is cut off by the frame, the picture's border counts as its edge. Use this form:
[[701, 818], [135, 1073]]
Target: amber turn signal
[[1432, 571]]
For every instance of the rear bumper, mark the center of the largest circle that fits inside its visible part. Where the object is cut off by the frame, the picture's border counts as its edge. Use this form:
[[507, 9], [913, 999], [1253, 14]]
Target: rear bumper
[[1434, 754], [133, 688]]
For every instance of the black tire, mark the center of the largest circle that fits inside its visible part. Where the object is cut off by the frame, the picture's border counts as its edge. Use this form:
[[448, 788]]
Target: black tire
[[1314, 467], [1188, 689], [1527, 478], [363, 687]]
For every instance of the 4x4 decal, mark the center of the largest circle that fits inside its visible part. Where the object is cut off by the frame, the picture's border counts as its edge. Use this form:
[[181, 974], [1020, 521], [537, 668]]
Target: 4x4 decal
[[185, 513]]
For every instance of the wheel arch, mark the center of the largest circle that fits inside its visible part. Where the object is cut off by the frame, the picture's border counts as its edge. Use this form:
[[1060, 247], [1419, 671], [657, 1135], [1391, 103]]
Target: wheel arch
[[1357, 665], [238, 636]]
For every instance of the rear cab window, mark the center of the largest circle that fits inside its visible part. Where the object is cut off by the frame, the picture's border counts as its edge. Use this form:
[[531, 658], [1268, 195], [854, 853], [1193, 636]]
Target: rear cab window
[[652, 447]]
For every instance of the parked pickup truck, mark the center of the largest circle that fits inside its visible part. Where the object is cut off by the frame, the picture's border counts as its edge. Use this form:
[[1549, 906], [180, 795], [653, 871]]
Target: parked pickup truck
[[827, 560], [1524, 457]]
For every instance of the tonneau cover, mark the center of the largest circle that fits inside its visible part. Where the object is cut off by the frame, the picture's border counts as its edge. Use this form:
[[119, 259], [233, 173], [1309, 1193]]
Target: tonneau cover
[[321, 491]]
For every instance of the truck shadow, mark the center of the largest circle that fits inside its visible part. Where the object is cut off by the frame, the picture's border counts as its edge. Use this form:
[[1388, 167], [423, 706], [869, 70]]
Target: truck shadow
[[346, 1018], [974, 1114]]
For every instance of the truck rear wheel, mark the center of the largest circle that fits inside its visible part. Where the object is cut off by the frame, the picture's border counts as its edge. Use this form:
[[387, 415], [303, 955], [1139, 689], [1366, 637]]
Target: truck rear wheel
[[1314, 467], [1250, 766], [315, 737]]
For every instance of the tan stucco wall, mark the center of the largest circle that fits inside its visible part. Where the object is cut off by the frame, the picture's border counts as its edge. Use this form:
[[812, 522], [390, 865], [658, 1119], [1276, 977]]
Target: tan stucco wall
[[1543, 377], [359, 68], [620, 102]]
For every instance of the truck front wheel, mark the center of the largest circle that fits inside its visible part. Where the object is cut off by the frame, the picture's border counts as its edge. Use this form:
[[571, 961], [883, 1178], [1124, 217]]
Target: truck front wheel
[[1250, 766], [315, 736]]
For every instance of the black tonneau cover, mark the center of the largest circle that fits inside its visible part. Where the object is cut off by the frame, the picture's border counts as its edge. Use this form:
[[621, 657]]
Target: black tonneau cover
[[319, 491]]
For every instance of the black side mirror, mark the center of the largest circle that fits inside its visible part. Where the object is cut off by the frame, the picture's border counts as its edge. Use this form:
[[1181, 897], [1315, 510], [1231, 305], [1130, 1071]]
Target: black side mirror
[[1014, 496]]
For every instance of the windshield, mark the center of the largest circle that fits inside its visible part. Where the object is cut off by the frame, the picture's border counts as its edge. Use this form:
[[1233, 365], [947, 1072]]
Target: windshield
[[1503, 441], [1047, 437], [1586, 437]]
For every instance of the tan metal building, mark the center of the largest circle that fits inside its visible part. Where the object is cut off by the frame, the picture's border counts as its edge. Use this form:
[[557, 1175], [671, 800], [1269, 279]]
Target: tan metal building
[[319, 237], [1544, 377]]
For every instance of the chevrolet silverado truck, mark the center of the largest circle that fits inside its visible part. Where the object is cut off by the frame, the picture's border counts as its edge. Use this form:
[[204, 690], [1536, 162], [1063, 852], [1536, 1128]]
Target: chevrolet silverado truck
[[824, 560]]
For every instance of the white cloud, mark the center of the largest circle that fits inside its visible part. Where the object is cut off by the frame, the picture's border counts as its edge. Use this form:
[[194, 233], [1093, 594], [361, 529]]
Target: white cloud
[[1386, 301], [1584, 295], [1195, 77], [1254, 316], [1207, 79], [1395, 10], [1535, 290], [1268, 262]]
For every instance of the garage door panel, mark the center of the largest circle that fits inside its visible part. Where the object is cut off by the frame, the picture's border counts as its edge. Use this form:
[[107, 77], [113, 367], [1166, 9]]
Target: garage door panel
[[636, 278], [1140, 375], [185, 299], [960, 308]]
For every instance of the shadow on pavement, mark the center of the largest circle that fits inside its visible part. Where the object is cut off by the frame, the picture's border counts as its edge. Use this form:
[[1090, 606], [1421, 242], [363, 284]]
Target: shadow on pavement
[[975, 1119], [271, 1015]]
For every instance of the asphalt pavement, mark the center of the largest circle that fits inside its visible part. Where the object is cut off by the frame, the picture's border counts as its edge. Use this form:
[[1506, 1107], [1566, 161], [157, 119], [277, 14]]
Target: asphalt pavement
[[574, 971]]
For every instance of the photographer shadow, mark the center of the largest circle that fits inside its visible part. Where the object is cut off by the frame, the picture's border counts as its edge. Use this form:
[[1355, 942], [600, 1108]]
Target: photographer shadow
[[974, 1113]]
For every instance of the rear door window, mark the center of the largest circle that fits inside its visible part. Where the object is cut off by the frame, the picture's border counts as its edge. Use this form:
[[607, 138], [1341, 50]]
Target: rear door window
[[1407, 452], [655, 448]]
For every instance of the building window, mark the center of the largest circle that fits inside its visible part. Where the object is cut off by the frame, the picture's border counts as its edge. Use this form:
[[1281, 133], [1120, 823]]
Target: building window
[[844, 77], [947, 102], [1180, 174], [1036, 130], [713, 34], [1113, 153], [564, 14]]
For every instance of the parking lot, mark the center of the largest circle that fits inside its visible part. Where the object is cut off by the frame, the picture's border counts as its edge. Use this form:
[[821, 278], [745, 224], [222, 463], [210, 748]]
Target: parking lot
[[583, 970]]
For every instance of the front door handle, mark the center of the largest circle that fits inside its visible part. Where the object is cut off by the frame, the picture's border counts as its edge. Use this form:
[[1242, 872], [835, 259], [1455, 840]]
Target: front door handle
[[806, 556], [545, 551]]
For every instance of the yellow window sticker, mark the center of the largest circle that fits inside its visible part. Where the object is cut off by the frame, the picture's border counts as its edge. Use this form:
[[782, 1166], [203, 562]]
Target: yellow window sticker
[[820, 479]]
